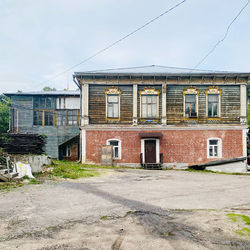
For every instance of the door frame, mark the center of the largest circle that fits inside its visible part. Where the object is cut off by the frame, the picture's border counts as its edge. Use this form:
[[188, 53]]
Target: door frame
[[157, 148]]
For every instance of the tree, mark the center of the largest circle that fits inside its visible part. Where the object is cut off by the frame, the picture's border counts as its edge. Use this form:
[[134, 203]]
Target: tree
[[4, 114], [47, 88]]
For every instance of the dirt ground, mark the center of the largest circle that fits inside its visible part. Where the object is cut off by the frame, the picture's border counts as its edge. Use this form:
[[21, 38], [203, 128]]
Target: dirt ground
[[127, 209]]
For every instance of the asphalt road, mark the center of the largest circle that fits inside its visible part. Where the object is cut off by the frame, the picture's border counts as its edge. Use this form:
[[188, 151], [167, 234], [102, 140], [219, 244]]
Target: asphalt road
[[127, 209]]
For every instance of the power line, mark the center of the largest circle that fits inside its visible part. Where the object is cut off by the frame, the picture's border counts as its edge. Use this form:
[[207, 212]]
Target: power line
[[223, 38], [116, 42]]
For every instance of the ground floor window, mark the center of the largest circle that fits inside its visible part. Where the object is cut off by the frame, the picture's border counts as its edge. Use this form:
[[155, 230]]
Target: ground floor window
[[66, 151], [214, 148], [116, 145]]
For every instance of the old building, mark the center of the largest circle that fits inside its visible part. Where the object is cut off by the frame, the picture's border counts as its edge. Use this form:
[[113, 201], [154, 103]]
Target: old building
[[163, 116], [55, 114]]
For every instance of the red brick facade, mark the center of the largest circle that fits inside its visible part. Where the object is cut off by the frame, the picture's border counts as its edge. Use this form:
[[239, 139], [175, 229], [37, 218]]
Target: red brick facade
[[177, 146]]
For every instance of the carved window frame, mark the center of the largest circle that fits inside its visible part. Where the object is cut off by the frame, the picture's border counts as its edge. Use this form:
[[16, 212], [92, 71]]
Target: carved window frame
[[150, 91], [191, 91], [213, 90], [113, 91]]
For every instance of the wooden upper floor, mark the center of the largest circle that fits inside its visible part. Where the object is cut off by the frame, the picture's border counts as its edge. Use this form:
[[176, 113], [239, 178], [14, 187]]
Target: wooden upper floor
[[145, 98]]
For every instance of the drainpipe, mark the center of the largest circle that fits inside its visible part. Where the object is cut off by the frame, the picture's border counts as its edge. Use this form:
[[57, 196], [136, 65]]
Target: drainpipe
[[80, 142]]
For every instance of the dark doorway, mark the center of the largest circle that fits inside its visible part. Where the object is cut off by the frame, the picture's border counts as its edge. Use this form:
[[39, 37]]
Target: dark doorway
[[150, 151]]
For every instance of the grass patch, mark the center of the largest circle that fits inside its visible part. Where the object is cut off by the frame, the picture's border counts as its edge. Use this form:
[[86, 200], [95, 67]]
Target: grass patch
[[244, 232], [241, 218], [68, 170], [105, 217], [237, 217], [8, 186]]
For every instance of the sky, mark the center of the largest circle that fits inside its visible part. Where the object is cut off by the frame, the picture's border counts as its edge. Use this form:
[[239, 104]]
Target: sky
[[39, 39]]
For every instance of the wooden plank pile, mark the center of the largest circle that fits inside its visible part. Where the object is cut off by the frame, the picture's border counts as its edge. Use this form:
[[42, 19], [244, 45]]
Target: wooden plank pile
[[25, 144]]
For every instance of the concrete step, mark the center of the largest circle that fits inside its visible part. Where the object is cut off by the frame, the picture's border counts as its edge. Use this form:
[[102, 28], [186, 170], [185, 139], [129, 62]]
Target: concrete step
[[3, 171]]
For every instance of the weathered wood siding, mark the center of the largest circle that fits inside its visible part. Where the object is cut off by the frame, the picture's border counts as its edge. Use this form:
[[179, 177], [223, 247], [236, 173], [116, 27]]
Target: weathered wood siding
[[97, 104], [230, 105]]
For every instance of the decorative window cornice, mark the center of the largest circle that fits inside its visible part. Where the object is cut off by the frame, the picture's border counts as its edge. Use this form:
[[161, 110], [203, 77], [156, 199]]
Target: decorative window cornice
[[149, 91], [191, 91], [213, 90], [113, 91]]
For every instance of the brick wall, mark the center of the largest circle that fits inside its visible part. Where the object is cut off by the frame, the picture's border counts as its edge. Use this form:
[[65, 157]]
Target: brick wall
[[177, 146]]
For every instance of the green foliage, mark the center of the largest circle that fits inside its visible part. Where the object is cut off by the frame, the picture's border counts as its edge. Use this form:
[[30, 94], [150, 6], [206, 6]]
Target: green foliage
[[4, 114], [241, 218], [47, 88]]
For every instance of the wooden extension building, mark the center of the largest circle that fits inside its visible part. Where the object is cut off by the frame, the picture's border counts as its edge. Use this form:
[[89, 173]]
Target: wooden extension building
[[162, 116]]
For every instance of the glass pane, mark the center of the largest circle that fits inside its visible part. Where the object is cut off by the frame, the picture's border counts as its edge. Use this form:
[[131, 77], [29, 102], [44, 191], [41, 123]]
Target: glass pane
[[143, 110], [149, 111], [48, 102], [143, 99], [42, 102], [112, 98], [154, 99], [215, 109], [209, 109], [210, 151], [116, 111], [36, 102], [190, 98], [110, 110], [213, 98], [154, 110], [149, 99], [213, 142], [113, 143], [116, 152], [215, 150]]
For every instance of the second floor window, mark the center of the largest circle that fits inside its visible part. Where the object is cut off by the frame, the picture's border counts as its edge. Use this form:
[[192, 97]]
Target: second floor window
[[112, 106], [190, 106], [149, 106], [190, 99], [213, 105]]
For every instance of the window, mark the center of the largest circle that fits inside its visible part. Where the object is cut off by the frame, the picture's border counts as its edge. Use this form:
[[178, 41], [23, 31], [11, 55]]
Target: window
[[213, 105], [149, 99], [213, 98], [190, 106], [67, 117], [149, 106], [116, 145], [44, 111], [214, 149], [66, 151], [113, 103], [113, 106], [190, 96]]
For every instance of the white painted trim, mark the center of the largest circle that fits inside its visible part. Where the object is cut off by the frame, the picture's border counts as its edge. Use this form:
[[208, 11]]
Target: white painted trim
[[83, 135], [157, 146], [135, 92], [244, 142], [119, 147], [219, 147]]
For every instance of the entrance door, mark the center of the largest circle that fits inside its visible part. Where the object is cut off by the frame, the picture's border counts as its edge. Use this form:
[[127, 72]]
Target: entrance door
[[150, 151]]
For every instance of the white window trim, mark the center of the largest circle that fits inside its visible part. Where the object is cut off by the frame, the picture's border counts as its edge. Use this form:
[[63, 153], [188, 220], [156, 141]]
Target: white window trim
[[213, 91], [157, 149], [147, 92], [113, 91], [119, 147], [219, 148]]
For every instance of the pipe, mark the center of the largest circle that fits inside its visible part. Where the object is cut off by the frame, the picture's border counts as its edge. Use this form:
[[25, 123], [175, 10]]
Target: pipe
[[80, 137]]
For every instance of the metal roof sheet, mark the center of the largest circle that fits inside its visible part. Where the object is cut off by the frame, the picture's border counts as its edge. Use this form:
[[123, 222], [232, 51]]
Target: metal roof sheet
[[52, 93], [157, 70]]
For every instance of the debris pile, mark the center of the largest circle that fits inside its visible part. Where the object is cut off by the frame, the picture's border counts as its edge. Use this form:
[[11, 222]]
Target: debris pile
[[25, 144]]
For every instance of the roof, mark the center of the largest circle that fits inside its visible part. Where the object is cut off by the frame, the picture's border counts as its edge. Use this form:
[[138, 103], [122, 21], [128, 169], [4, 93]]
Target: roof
[[160, 71], [47, 93]]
